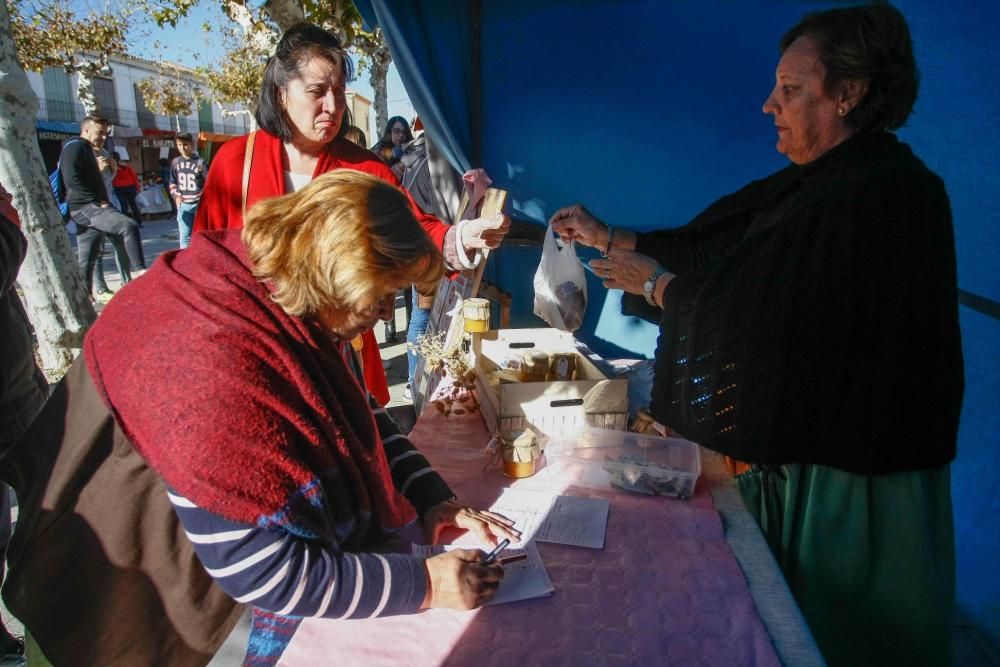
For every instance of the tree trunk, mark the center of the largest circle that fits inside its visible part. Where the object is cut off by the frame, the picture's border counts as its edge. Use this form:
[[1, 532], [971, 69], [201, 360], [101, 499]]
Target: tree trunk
[[85, 88], [379, 60], [57, 302], [284, 13]]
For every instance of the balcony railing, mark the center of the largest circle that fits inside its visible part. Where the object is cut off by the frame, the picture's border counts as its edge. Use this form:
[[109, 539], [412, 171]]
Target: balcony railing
[[55, 110]]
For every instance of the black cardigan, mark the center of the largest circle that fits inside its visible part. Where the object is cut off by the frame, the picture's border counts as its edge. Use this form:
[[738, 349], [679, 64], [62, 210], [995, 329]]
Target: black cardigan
[[814, 316]]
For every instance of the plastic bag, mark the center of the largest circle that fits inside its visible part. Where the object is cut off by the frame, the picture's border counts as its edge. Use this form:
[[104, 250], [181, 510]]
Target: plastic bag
[[560, 285]]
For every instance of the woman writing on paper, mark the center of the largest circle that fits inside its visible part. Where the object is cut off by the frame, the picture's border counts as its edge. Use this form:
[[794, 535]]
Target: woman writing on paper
[[289, 481]]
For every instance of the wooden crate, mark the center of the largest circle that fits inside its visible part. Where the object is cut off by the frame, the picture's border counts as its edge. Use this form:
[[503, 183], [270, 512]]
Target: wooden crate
[[595, 398]]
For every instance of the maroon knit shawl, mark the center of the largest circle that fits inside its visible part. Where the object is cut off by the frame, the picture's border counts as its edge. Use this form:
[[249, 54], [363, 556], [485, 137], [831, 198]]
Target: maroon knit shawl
[[236, 404]]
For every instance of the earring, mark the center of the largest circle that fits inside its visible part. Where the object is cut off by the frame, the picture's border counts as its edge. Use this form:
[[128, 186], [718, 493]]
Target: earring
[[841, 111]]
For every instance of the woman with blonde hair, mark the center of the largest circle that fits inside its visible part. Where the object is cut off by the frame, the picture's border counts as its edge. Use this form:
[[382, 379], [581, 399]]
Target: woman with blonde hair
[[288, 481]]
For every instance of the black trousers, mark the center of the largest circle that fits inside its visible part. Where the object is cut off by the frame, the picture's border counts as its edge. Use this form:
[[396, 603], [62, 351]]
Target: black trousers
[[93, 222], [129, 205]]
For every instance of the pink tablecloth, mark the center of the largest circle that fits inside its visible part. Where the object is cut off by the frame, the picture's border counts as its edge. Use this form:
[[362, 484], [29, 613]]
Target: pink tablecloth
[[665, 590]]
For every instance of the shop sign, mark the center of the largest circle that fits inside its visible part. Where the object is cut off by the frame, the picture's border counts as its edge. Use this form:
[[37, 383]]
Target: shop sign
[[157, 143], [53, 136]]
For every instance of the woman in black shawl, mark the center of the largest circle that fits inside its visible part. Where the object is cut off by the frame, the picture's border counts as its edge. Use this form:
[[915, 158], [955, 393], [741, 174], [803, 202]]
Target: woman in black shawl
[[809, 327]]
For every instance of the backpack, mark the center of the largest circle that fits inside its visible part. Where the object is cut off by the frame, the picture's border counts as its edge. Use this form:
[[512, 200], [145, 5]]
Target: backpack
[[59, 187]]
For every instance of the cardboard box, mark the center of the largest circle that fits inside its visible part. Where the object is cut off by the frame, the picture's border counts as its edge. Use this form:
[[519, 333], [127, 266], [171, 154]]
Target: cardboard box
[[596, 397]]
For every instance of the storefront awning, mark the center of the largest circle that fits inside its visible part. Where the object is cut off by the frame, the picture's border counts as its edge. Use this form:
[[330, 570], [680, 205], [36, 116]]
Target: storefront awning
[[58, 128]]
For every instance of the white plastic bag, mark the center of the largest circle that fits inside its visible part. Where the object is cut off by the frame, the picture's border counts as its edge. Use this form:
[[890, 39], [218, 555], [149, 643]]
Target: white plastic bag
[[560, 285]]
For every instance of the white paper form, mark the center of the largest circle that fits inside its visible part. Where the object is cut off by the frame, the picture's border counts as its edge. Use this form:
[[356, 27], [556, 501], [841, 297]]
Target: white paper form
[[545, 517], [523, 580]]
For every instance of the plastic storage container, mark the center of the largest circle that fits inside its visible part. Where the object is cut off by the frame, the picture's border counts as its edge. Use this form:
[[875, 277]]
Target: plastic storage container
[[602, 459]]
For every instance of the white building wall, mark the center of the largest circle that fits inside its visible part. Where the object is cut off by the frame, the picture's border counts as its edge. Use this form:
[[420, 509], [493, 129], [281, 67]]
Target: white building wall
[[125, 74]]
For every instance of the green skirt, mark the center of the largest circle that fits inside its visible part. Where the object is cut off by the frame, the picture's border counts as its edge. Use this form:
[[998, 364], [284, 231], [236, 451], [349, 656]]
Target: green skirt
[[869, 559]]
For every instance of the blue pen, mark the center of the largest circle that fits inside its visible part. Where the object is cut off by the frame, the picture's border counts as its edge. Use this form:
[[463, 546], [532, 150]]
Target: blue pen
[[492, 556]]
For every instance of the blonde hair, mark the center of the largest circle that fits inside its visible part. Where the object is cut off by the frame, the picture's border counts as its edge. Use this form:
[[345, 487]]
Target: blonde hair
[[345, 240]]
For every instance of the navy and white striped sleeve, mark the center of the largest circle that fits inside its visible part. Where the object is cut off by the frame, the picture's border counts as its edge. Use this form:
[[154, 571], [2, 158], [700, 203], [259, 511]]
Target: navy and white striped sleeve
[[412, 474], [290, 575]]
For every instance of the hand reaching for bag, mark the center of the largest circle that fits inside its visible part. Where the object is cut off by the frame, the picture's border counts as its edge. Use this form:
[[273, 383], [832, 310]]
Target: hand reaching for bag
[[456, 580], [625, 270], [575, 223]]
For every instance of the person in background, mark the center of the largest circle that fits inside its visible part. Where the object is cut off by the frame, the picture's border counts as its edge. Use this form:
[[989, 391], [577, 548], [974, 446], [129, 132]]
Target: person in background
[[302, 115], [809, 329], [89, 203], [23, 388], [108, 163], [187, 181], [390, 147], [416, 180], [165, 182], [356, 136], [319, 496], [127, 185]]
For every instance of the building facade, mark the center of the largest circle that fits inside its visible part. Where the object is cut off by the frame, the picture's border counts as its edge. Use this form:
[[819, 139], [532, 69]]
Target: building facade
[[137, 132]]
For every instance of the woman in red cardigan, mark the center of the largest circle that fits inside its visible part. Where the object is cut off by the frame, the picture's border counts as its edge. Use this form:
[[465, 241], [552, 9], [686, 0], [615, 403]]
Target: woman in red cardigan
[[301, 115]]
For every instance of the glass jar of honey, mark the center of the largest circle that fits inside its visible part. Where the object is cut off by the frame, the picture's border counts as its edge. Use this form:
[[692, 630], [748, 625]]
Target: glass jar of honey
[[562, 366], [520, 453], [534, 367], [477, 315]]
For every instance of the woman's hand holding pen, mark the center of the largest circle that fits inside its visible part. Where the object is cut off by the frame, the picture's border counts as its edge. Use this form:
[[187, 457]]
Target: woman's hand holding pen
[[458, 579], [489, 527]]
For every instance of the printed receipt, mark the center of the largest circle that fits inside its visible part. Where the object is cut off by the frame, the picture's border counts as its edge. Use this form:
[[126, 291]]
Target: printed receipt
[[545, 517]]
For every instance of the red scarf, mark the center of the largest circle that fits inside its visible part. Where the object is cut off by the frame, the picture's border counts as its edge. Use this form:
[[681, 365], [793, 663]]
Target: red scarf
[[236, 404]]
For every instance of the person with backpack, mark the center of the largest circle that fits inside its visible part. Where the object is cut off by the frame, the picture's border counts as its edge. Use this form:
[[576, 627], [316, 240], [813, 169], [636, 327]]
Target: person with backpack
[[88, 202]]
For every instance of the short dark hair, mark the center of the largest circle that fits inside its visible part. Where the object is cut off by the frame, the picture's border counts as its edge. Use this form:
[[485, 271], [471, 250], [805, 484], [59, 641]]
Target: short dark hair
[[94, 119], [183, 136], [299, 43], [872, 43]]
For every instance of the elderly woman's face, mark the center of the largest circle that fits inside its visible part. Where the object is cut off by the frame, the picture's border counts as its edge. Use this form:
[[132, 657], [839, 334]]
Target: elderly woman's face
[[315, 102], [806, 117], [346, 323]]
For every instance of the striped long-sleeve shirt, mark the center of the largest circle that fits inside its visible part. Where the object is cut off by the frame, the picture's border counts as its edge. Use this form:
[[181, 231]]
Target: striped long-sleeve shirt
[[287, 574]]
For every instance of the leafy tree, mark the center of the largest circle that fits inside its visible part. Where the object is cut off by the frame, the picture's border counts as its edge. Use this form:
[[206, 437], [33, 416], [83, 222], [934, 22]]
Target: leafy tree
[[261, 27], [53, 35], [168, 94], [236, 79]]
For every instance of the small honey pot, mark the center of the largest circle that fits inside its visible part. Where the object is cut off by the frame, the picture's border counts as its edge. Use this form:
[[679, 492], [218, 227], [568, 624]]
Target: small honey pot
[[520, 452], [476, 313]]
